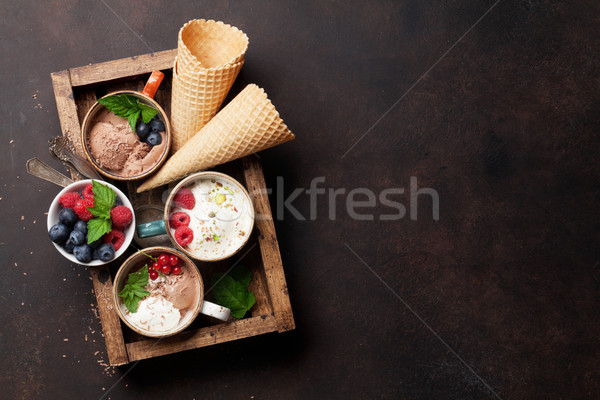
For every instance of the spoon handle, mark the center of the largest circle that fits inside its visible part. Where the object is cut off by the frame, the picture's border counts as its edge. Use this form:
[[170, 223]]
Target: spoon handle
[[61, 149], [37, 167]]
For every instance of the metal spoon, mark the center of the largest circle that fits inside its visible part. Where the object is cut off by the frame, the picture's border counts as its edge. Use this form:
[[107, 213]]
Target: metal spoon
[[38, 168], [62, 150]]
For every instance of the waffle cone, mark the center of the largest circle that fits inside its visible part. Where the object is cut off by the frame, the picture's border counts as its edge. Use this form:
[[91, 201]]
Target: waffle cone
[[210, 56], [248, 124], [210, 44], [196, 98]]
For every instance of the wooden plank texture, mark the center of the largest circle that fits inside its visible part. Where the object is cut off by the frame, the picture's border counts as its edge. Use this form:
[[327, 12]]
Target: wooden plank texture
[[67, 110], [131, 66], [201, 337], [111, 324], [269, 247]]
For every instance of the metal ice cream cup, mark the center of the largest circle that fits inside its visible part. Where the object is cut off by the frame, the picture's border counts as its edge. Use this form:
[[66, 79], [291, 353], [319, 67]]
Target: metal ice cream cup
[[146, 97]]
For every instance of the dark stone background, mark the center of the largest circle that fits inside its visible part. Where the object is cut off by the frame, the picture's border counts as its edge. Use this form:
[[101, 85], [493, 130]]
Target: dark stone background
[[499, 298]]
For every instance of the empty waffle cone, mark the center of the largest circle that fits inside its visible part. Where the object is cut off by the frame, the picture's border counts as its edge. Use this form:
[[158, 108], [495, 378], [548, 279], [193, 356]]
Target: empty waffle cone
[[210, 44], [210, 56], [248, 124], [196, 98]]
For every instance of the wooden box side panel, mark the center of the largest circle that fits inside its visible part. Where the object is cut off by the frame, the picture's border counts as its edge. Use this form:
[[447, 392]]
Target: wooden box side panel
[[122, 68], [67, 109], [269, 247], [201, 337]]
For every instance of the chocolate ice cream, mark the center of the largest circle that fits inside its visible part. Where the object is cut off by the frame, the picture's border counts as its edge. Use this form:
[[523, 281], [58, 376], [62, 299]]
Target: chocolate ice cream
[[117, 149]]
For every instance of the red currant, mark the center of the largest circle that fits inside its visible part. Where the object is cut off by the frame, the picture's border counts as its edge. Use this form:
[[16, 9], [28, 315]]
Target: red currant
[[165, 269], [153, 274], [176, 270], [156, 266], [163, 259], [173, 260]]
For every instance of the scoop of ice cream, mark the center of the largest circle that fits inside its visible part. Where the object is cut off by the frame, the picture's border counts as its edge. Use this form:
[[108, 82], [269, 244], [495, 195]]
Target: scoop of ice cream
[[115, 147], [155, 314], [183, 290], [111, 144]]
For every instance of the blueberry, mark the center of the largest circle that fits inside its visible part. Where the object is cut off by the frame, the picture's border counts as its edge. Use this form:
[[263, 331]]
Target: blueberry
[[118, 202], [83, 253], [59, 233], [80, 226], [154, 139], [142, 130], [106, 252], [157, 125], [67, 216], [69, 247], [96, 244], [77, 237]]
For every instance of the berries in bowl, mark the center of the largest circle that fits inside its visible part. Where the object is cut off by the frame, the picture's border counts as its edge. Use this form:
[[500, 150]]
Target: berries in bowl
[[91, 222]]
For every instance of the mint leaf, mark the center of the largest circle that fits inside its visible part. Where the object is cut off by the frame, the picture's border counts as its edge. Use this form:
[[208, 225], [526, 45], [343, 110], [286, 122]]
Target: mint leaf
[[120, 104], [132, 119], [147, 112], [131, 304], [103, 196], [97, 227], [234, 295], [139, 278], [129, 107], [240, 273], [139, 292], [133, 291], [104, 200]]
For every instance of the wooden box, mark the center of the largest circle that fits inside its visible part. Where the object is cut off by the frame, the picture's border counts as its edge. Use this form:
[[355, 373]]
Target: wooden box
[[76, 90]]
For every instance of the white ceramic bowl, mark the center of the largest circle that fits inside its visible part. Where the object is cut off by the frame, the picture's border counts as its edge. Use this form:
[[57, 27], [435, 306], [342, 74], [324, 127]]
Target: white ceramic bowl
[[78, 186]]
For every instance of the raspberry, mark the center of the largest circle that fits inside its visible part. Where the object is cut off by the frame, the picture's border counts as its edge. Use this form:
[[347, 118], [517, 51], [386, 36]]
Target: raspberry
[[82, 212], [184, 235], [114, 237], [185, 198], [179, 219], [87, 192], [121, 216], [69, 199]]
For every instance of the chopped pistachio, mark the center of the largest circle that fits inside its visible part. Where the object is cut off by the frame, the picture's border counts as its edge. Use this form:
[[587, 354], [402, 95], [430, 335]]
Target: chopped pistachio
[[220, 198]]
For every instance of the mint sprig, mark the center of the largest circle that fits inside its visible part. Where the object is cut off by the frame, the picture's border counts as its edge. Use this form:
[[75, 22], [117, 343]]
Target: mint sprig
[[128, 107], [231, 291], [133, 291], [104, 200]]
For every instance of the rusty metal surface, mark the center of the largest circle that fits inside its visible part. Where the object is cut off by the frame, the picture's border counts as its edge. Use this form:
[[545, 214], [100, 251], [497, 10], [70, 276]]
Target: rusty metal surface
[[496, 111]]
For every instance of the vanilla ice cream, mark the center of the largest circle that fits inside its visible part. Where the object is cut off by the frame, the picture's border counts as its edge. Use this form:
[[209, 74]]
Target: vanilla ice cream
[[155, 314], [221, 219]]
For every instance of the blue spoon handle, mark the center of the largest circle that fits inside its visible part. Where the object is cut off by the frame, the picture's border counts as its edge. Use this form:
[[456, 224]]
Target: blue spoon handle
[[153, 228]]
